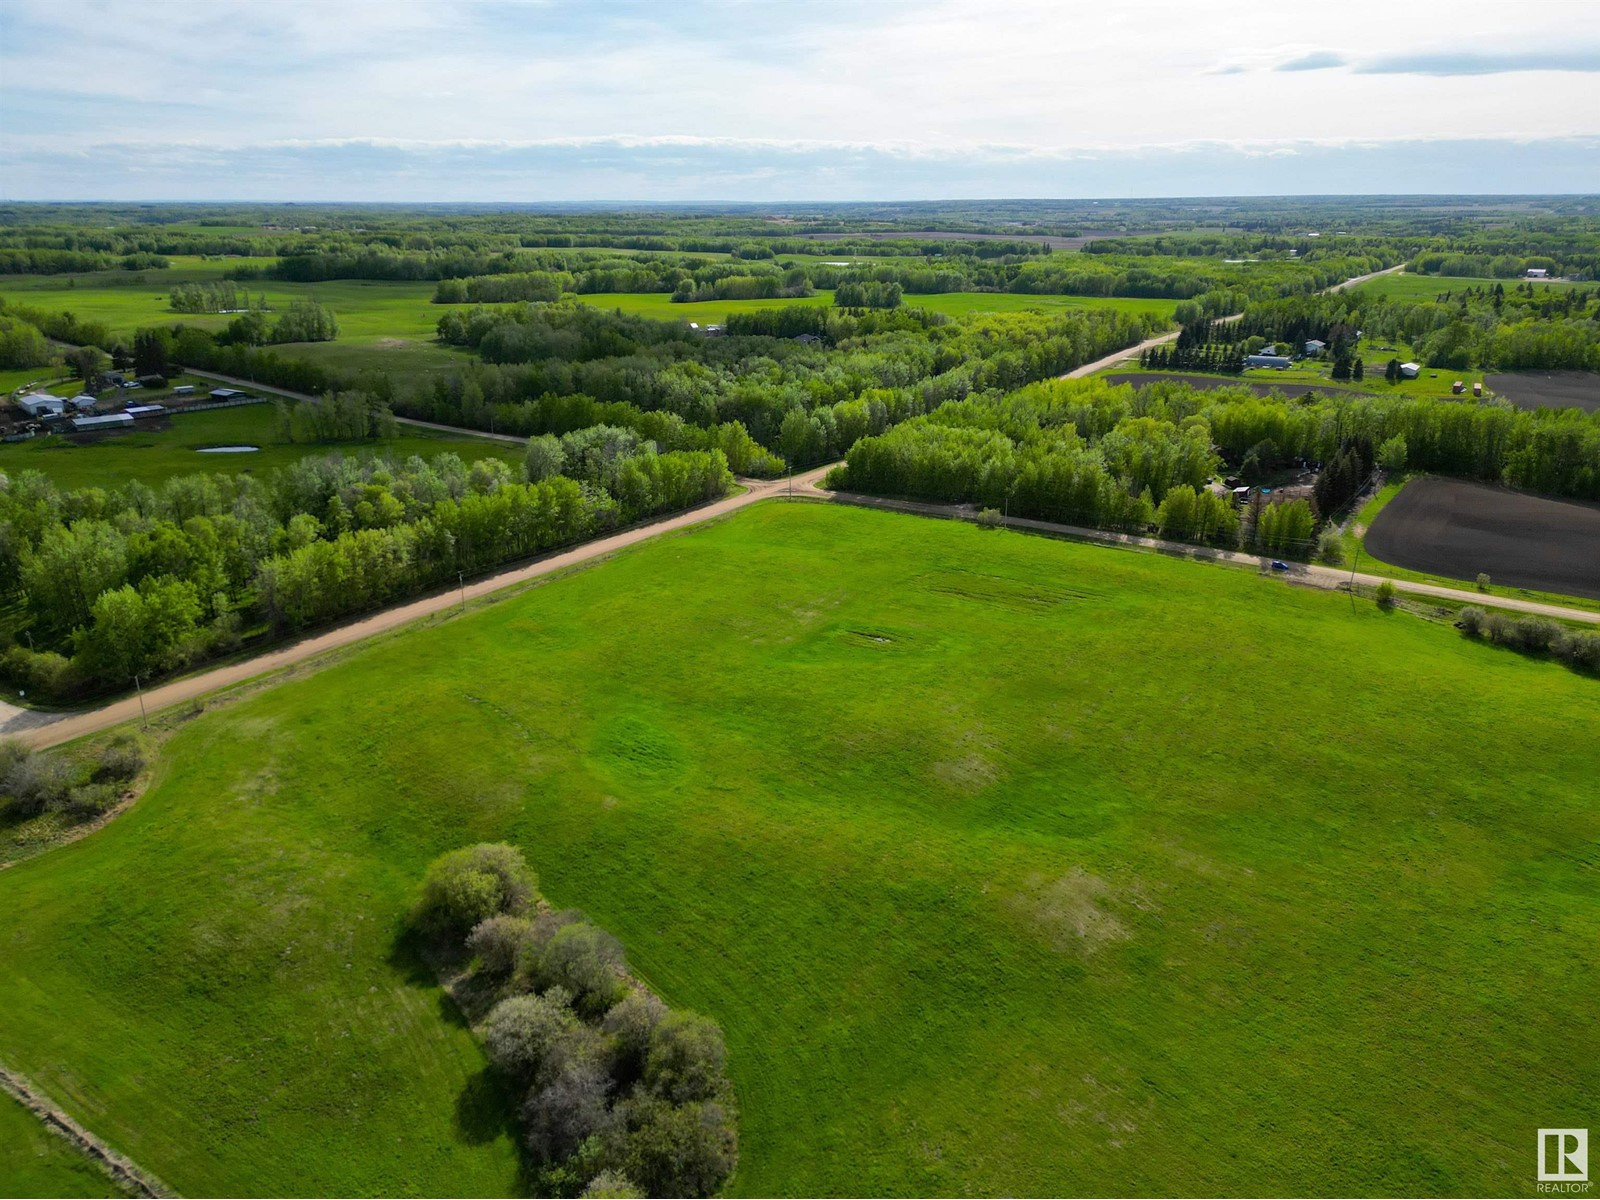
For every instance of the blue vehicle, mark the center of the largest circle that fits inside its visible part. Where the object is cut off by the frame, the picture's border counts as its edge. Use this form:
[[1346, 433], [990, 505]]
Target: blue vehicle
[[1279, 565]]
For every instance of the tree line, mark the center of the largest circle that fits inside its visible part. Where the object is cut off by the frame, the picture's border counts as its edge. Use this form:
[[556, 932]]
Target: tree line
[[136, 581]]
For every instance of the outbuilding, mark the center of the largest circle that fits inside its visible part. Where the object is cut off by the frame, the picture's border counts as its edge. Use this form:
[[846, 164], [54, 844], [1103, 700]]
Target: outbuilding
[[227, 394], [1268, 360], [42, 404], [135, 411], [1538, 273], [1410, 370], [84, 402], [112, 421], [1315, 347]]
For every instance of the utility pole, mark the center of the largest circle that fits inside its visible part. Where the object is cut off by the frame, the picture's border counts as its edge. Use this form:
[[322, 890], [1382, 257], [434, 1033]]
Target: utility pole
[[1353, 565], [461, 578], [144, 717]]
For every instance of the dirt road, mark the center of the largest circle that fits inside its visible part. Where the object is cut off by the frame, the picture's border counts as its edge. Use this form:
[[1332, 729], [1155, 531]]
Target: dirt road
[[1133, 352], [49, 729]]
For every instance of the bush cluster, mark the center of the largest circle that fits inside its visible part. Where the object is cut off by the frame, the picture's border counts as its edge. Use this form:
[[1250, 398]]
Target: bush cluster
[[1540, 636], [617, 1094], [32, 782]]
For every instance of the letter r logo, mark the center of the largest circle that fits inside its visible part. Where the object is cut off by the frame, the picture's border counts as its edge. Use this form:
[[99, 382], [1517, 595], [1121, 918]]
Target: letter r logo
[[1563, 1156]]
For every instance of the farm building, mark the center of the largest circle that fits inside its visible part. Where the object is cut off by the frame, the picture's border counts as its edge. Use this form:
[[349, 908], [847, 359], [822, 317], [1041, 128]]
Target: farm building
[[227, 394], [135, 411], [40, 404], [184, 389], [113, 421], [1268, 360], [84, 403], [1410, 370], [1315, 346], [1538, 273]]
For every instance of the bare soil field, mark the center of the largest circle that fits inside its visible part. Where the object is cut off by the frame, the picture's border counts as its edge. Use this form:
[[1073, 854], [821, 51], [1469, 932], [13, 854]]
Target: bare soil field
[[1209, 382], [1549, 389], [1448, 527]]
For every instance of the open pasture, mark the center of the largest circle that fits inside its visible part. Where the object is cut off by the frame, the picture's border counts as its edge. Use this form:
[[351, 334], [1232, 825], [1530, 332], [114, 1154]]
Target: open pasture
[[1458, 529], [970, 840], [1405, 286], [153, 454]]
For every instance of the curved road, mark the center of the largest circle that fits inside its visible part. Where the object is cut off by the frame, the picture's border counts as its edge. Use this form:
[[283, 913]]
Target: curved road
[[1132, 352], [39, 729]]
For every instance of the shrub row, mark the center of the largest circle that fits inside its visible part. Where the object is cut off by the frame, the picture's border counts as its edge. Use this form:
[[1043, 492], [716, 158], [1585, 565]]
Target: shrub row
[[1533, 635], [618, 1095]]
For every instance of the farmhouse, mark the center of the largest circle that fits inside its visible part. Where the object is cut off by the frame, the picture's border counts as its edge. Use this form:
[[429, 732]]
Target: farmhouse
[[1410, 370], [1278, 361], [41, 404]]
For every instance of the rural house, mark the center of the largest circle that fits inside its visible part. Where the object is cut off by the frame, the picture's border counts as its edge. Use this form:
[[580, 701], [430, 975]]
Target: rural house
[[1315, 347]]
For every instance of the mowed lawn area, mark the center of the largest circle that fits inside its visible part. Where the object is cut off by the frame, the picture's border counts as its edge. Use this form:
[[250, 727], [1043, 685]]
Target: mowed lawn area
[[156, 454], [1009, 866], [1414, 288], [36, 1162]]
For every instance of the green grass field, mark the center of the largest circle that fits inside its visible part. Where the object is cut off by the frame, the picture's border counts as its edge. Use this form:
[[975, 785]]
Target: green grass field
[[1405, 286], [154, 455], [36, 1162], [660, 307], [1010, 866]]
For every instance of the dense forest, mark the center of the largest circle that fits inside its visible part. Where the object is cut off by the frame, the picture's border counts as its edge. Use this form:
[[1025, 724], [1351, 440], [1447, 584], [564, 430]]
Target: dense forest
[[1084, 453], [133, 581]]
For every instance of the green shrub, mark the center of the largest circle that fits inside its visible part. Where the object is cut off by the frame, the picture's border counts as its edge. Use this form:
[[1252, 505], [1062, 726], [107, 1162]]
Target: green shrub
[[467, 886], [631, 1024], [496, 941], [1470, 620], [121, 759], [687, 1059], [674, 1150], [35, 782], [44, 675], [1330, 547], [1385, 595], [587, 962], [92, 799], [522, 1036], [1483, 581], [610, 1185]]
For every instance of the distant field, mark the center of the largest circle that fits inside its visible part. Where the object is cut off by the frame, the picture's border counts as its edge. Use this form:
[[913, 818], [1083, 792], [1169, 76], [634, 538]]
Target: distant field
[[1010, 866], [36, 1162], [1457, 529], [1405, 286], [659, 305], [154, 455]]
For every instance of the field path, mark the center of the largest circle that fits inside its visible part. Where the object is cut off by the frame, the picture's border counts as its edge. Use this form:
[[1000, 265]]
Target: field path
[[50, 729], [287, 394], [121, 1169], [1132, 352], [1305, 573]]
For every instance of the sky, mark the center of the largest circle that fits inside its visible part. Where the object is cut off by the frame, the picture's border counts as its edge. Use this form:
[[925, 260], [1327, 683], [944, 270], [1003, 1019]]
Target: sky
[[571, 100]]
